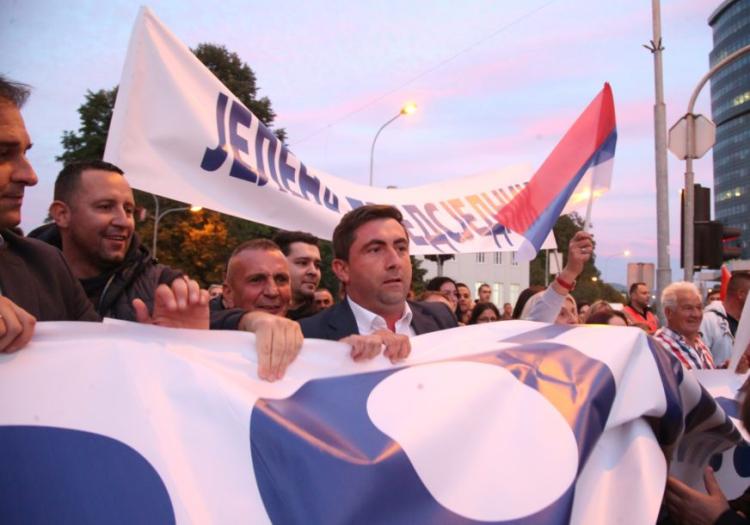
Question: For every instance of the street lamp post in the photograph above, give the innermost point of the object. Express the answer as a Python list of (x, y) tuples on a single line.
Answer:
[(690, 154), (408, 109), (159, 216), (605, 262)]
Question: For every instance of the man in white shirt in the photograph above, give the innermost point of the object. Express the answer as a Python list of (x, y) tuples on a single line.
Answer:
[(371, 258), (721, 318)]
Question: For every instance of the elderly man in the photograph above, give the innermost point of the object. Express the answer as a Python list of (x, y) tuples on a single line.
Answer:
[(721, 318), (303, 255), (638, 310), (683, 309), (371, 258)]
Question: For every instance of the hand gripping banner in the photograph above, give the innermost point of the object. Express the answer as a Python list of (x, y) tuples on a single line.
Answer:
[(513, 423)]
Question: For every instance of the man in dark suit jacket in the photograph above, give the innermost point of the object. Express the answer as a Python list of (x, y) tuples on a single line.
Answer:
[(371, 258)]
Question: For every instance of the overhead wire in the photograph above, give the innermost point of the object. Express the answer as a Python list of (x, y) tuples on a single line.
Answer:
[(427, 71)]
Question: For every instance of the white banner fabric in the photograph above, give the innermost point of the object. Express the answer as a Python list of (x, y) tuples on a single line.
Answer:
[(177, 131), (508, 421)]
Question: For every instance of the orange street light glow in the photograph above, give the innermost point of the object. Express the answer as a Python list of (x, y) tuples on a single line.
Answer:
[(409, 108)]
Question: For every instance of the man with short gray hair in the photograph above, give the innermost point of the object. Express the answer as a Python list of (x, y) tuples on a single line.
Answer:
[(683, 309)]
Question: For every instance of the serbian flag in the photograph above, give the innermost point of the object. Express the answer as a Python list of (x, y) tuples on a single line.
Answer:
[(580, 164)]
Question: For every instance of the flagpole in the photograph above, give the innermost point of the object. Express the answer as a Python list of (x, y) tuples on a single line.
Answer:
[(587, 221)]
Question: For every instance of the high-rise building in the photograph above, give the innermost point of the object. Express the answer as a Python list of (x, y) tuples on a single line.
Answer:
[(730, 108)]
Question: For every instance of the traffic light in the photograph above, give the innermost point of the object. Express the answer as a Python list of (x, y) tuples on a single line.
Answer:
[(703, 233), (713, 242), (730, 243)]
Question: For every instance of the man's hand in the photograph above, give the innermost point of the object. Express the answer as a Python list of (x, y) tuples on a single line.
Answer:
[(580, 250), (365, 347), (16, 326), (689, 506), (743, 365), (181, 305), (278, 341)]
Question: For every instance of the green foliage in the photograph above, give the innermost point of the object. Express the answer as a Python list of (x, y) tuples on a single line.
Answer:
[(417, 276), (96, 114), (328, 279), (239, 79), (589, 286)]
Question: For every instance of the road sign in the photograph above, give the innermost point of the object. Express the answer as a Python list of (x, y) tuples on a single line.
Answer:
[(705, 137)]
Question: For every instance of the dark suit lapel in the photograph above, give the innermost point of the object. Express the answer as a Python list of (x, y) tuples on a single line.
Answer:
[(420, 321), (341, 321)]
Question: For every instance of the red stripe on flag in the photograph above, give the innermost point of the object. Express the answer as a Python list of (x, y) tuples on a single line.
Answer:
[(586, 135)]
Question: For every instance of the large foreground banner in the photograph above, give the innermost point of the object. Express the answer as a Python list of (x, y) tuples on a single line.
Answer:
[(177, 131), (512, 422)]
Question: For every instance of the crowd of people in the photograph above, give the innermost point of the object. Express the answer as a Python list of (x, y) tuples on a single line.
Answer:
[(88, 263)]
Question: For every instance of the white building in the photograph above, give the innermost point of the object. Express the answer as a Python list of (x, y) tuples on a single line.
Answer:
[(500, 270)]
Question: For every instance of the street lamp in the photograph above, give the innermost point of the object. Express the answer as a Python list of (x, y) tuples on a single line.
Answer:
[(625, 253), (692, 151), (159, 216), (407, 109)]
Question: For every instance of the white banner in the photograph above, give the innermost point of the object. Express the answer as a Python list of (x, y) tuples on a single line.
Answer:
[(513, 420), (732, 467), (178, 132)]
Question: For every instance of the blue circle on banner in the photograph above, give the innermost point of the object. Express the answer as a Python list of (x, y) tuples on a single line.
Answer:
[(58, 475), (318, 458)]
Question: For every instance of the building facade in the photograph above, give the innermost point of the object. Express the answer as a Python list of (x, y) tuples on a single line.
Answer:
[(501, 270), (730, 108)]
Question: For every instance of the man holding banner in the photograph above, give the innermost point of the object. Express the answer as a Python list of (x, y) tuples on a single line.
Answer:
[(371, 258), (36, 282)]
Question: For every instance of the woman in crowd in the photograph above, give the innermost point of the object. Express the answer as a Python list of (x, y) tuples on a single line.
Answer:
[(484, 313), (465, 303), (568, 312), (447, 287), (610, 317), (583, 311), (523, 298), (599, 306)]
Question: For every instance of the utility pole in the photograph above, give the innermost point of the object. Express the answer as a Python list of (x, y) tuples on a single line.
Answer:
[(699, 137), (663, 268)]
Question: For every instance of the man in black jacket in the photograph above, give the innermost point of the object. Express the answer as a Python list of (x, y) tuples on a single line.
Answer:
[(371, 258), (94, 227), (35, 281), (303, 255)]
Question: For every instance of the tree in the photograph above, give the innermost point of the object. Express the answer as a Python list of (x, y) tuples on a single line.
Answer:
[(239, 79), (186, 242), (589, 286), (96, 114)]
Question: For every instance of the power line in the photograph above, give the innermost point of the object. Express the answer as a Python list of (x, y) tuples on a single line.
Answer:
[(427, 71)]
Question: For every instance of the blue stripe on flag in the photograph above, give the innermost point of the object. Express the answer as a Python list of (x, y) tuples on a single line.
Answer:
[(538, 231)]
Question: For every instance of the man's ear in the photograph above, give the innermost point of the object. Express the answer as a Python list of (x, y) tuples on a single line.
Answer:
[(60, 213), (341, 268), (226, 295)]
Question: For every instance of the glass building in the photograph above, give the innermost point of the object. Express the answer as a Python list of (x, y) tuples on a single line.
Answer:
[(730, 108)]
